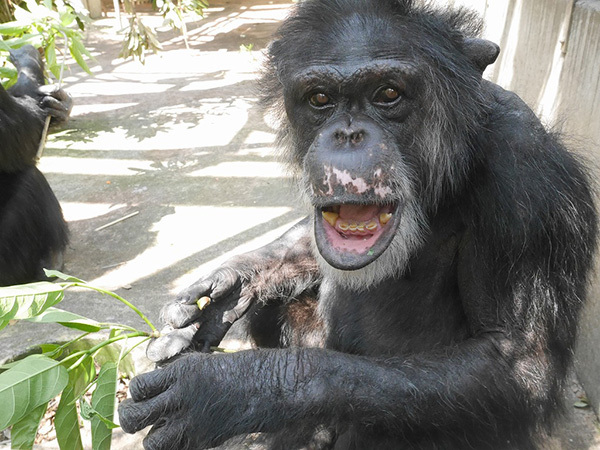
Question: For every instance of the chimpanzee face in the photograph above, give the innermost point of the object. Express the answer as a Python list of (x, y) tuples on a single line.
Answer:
[(354, 170), (372, 130)]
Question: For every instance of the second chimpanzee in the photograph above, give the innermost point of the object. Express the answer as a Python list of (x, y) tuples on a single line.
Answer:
[(33, 232), (431, 299)]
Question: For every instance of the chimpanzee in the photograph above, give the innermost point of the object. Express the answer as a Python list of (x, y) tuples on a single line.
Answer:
[(33, 232), (431, 299)]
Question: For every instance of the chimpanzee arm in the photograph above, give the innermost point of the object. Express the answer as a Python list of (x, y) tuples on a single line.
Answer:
[(51, 99), (496, 383), (21, 125), (283, 269), (24, 108)]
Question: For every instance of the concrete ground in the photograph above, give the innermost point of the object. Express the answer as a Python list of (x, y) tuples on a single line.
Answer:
[(179, 150)]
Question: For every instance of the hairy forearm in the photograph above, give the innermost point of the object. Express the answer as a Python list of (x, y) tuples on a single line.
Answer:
[(21, 124), (285, 267), (414, 394)]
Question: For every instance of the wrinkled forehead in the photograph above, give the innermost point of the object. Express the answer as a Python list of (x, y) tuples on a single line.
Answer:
[(359, 70), (354, 41)]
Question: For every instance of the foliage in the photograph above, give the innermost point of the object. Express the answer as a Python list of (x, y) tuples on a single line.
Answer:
[(140, 38), (70, 369), (56, 26), (51, 25)]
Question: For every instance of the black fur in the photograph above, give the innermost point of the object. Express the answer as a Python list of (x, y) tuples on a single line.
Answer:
[(456, 332), (33, 233)]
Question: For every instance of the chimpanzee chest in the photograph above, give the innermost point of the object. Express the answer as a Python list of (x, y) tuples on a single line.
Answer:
[(419, 310)]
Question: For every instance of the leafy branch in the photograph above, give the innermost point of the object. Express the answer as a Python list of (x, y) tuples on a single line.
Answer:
[(27, 385), (45, 25)]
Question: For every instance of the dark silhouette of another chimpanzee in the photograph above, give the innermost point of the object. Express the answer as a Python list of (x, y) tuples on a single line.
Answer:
[(33, 232)]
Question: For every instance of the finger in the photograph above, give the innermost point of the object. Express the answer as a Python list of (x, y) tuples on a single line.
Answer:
[(238, 310), (192, 293), (179, 315), (54, 91), (151, 384), (135, 416), (226, 280), (165, 436), (52, 103), (171, 342)]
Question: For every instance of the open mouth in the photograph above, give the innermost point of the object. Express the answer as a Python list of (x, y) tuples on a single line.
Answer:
[(350, 236)]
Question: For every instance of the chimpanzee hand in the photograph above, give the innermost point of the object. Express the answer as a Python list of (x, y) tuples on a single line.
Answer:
[(230, 297), (284, 268), (56, 102), (200, 401)]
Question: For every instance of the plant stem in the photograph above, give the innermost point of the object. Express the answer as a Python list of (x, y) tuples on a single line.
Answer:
[(84, 353), (134, 346), (122, 300)]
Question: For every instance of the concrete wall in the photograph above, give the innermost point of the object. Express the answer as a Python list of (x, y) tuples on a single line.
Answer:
[(551, 57)]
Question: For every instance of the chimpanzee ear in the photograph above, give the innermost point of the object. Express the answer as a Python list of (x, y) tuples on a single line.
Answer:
[(481, 52)]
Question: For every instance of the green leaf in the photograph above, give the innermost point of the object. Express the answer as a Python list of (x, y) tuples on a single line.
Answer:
[(66, 422), (88, 413), (103, 402), (67, 319), (22, 434), (82, 376), (14, 28), (28, 300), (31, 383), (62, 276), (22, 15), (50, 53), (33, 39), (76, 53), (8, 72), (51, 350), (66, 18)]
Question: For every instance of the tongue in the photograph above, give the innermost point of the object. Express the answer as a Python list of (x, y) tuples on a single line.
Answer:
[(359, 213)]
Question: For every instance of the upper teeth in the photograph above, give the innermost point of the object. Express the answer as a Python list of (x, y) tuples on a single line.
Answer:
[(385, 218), (330, 217), (358, 227)]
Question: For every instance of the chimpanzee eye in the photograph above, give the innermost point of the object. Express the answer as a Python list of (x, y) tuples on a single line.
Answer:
[(386, 95), (319, 100)]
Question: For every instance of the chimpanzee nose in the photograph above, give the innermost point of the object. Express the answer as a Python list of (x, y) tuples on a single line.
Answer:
[(349, 136)]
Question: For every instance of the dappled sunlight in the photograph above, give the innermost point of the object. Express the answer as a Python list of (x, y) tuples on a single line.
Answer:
[(213, 123), (97, 108), (74, 211), (262, 152), (206, 268), (239, 169), (166, 166), (187, 231), (97, 87), (93, 166), (260, 137), (214, 84)]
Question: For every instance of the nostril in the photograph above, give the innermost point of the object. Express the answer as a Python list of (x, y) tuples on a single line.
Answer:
[(341, 137), (344, 136), (357, 137)]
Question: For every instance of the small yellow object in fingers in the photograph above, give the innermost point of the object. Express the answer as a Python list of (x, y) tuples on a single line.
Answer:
[(203, 302)]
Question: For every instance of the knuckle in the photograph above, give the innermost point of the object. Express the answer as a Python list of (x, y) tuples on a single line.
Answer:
[(137, 388)]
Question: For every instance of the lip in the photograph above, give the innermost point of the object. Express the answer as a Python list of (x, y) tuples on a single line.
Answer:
[(346, 245)]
